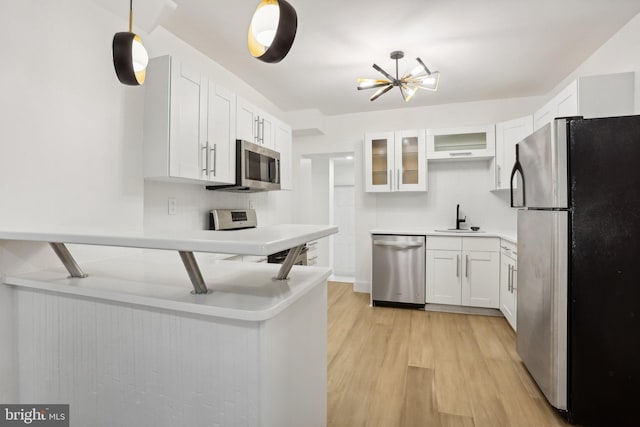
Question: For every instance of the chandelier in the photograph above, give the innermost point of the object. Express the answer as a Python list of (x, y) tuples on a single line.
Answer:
[(418, 78)]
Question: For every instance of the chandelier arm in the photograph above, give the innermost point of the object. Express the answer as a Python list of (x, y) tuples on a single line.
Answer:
[(375, 86), (380, 93), (384, 73)]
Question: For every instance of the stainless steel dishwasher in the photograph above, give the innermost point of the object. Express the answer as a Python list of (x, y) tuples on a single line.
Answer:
[(399, 273)]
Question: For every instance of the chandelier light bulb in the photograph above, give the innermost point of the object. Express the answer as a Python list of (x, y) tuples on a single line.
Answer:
[(264, 23), (139, 55)]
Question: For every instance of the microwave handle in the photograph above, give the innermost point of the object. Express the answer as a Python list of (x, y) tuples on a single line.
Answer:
[(277, 171)]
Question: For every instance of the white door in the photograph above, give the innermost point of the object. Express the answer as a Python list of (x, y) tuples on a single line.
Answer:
[(189, 122), (379, 162), (443, 277), (410, 160), (246, 121), (221, 147), (481, 280)]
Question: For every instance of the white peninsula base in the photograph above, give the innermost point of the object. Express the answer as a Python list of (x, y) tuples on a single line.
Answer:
[(129, 346)]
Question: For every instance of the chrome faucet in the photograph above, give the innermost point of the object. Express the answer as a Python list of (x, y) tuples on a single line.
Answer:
[(458, 220)]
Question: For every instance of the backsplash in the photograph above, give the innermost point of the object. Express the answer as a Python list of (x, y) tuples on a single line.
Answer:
[(193, 203)]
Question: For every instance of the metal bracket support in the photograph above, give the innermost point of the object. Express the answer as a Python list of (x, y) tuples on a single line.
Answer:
[(65, 256), (190, 263), (283, 273)]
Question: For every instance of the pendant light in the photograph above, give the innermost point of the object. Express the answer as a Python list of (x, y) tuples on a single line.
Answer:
[(272, 30), (420, 77), (130, 58)]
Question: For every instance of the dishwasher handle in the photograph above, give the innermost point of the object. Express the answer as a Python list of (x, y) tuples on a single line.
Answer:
[(398, 245)]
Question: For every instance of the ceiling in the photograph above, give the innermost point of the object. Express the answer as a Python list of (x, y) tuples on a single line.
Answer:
[(486, 49)]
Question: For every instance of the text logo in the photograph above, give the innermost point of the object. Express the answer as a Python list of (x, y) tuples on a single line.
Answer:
[(34, 415)]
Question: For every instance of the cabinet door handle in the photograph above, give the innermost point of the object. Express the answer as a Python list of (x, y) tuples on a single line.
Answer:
[(398, 181), (215, 159), (457, 265), (513, 277), (466, 153), (466, 266), (499, 175), (390, 180), (256, 134), (509, 279), (205, 158)]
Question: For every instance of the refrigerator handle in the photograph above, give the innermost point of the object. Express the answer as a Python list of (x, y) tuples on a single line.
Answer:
[(517, 168)]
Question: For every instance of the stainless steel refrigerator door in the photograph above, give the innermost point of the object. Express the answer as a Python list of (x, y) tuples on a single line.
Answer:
[(541, 341), (543, 165), (399, 273)]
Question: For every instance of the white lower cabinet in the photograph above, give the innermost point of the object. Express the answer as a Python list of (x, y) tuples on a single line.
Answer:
[(463, 271), (509, 281)]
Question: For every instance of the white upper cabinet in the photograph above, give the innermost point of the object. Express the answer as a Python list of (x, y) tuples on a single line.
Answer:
[(395, 161), (463, 143), (221, 141), (508, 134), (591, 96), (254, 125), (188, 125), (283, 142), (246, 121)]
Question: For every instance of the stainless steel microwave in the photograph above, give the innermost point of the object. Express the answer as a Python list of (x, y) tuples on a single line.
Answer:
[(257, 169)]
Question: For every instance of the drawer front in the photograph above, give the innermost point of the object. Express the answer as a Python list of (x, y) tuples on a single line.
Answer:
[(442, 243), (483, 244), (508, 249)]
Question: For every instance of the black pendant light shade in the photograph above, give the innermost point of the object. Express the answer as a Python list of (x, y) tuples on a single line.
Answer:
[(130, 58), (272, 30)]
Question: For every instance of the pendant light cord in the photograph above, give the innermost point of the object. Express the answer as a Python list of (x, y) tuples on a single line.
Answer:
[(131, 16)]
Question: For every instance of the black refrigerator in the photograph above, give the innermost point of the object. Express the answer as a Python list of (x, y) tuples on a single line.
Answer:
[(576, 183)]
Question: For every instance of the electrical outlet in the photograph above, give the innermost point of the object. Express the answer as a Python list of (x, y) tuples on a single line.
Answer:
[(251, 205), (173, 206)]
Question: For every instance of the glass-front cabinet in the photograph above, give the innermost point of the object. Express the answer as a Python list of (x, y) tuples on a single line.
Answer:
[(395, 161), (470, 142)]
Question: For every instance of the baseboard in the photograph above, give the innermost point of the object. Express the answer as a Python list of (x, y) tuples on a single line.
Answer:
[(362, 287), (463, 310)]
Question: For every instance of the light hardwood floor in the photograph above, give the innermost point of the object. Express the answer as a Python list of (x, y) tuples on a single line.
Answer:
[(397, 367)]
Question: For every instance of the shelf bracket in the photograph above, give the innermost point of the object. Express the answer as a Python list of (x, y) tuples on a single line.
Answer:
[(191, 265), (283, 273), (67, 260)]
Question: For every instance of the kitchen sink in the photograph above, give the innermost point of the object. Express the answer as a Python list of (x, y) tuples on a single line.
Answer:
[(454, 230)]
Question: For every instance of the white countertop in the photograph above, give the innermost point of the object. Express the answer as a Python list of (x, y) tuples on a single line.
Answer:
[(240, 291), (263, 240), (420, 231)]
